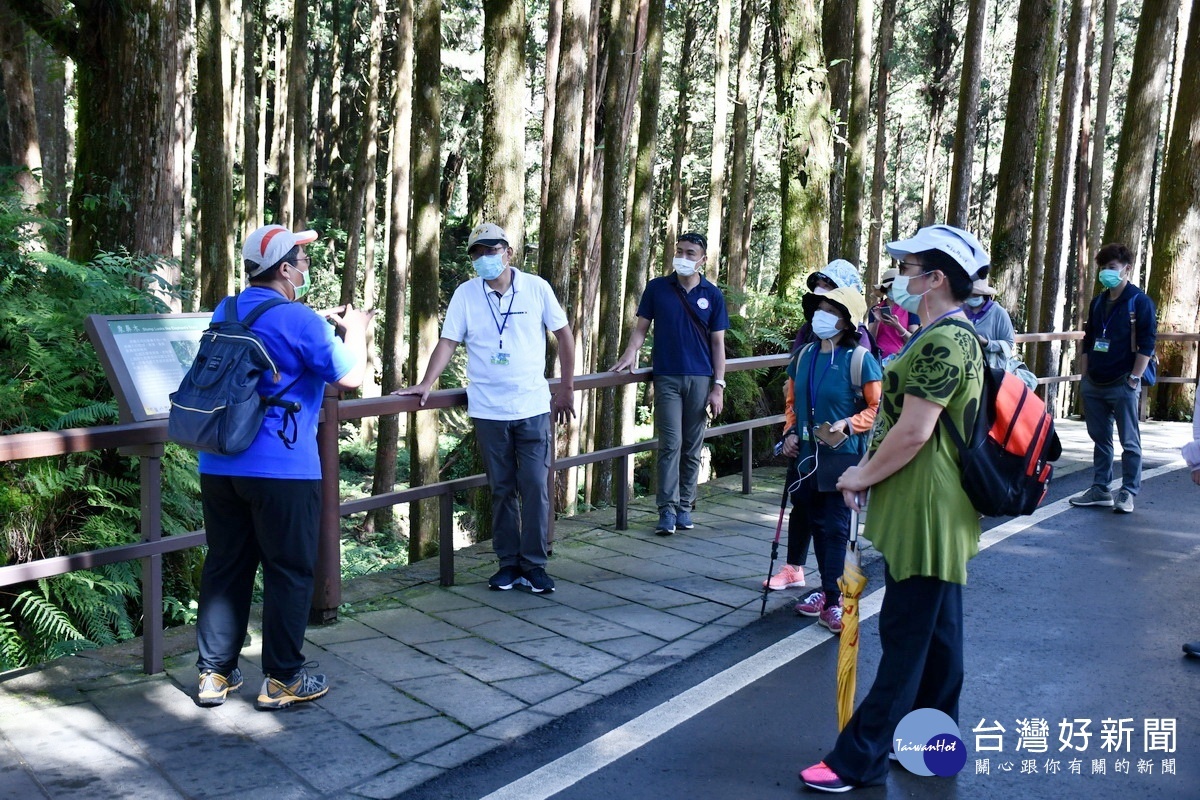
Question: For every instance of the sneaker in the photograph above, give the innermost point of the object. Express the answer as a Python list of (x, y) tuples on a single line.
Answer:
[(214, 686), (1124, 503), (537, 580), (505, 579), (812, 604), (820, 777), (787, 578), (1192, 649), (276, 694), (1095, 496), (831, 618), (666, 522), (683, 520)]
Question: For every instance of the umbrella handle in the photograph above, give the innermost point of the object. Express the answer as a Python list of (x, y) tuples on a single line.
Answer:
[(853, 529)]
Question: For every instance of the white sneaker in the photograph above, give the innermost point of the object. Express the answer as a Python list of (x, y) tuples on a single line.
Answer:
[(787, 578)]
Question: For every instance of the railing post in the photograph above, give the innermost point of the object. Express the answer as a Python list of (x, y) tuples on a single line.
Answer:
[(622, 475), (150, 474), (327, 574), (747, 459), (446, 538)]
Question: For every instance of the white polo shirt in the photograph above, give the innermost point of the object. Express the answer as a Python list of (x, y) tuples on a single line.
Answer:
[(505, 337)]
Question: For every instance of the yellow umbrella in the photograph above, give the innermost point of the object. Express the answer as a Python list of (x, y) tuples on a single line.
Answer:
[(852, 583)]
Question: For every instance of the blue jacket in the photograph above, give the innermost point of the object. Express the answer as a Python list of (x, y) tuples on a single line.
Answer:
[(1110, 321)]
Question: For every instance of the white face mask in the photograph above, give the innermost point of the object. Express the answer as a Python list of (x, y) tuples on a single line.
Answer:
[(909, 302), (825, 324), (684, 267)]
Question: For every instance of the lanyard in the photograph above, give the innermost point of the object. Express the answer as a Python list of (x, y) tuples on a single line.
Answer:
[(813, 383), (500, 324), (1109, 319), (924, 328)]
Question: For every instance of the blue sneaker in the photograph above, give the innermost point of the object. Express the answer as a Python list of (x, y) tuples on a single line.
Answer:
[(683, 520), (666, 523)]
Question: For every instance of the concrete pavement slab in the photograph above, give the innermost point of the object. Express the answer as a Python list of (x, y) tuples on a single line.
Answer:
[(536, 688), (410, 625), (630, 647), (583, 598), (407, 740), (640, 568), (396, 781), (707, 587), (568, 656), (459, 751), (515, 725), (463, 698), (581, 626), (648, 594), (659, 624), (388, 659), (483, 660), (330, 756)]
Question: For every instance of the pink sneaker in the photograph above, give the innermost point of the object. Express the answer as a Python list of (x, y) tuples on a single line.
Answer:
[(812, 604), (832, 618), (787, 578), (820, 777)]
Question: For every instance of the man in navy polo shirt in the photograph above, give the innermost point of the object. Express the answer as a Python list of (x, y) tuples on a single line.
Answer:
[(688, 359)]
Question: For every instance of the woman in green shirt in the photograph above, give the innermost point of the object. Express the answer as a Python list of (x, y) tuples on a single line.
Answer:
[(920, 518)]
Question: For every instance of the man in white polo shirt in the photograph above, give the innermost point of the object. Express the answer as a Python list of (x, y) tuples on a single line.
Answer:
[(502, 316)]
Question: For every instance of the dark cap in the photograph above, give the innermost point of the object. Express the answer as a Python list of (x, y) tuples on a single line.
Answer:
[(695, 238)]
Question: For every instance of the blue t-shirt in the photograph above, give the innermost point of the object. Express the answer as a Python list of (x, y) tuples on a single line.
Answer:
[(1109, 321), (679, 346), (305, 349), (825, 381)]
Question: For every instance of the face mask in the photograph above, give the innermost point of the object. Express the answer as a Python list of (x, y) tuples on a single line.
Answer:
[(304, 286), (684, 267), (1110, 278), (975, 302), (909, 302), (825, 325), (489, 267)]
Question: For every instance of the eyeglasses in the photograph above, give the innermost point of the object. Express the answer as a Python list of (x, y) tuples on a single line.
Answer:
[(483, 250), (306, 261), (914, 265)]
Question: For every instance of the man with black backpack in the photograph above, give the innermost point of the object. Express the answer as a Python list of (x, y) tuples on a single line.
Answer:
[(261, 504), (1118, 345), (690, 320)]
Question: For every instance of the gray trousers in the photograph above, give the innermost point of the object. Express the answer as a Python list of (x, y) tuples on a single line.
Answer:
[(680, 417), (516, 456), (1102, 405)]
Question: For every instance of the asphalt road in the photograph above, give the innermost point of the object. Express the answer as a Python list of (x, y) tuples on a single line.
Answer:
[(1080, 616)]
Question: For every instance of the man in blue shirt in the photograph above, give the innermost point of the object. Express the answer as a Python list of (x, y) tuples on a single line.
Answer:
[(262, 505), (1118, 341), (688, 359)]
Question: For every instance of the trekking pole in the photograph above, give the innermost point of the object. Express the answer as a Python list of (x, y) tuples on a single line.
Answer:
[(783, 501)]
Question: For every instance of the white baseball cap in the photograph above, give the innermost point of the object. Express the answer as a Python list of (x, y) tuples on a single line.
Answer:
[(267, 246), (960, 245)]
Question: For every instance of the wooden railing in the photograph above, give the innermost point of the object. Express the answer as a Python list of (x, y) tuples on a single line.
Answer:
[(146, 440)]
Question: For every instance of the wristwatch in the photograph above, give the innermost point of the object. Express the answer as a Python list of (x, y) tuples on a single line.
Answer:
[(719, 382)]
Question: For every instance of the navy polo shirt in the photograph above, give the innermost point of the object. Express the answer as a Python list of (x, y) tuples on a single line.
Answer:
[(679, 346)]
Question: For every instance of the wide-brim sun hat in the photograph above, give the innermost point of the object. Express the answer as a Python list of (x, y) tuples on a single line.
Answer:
[(850, 301), (982, 287), (887, 279), (840, 272), (960, 245)]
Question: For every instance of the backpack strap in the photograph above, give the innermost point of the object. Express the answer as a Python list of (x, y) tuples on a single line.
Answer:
[(856, 366), (260, 309)]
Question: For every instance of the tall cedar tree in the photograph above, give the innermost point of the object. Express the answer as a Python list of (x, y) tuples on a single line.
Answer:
[(214, 151), (503, 108), (959, 205)]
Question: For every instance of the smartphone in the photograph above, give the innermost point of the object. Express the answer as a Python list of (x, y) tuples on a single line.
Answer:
[(830, 437)]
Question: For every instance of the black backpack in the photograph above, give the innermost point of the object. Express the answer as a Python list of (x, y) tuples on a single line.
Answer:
[(217, 408)]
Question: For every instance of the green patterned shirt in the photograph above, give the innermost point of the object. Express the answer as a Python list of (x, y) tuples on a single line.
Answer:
[(920, 518)]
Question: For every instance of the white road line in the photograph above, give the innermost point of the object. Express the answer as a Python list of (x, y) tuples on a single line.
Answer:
[(567, 770)]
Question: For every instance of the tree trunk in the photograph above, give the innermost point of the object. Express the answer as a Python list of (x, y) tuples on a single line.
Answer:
[(968, 116), (716, 173), (837, 39), (1126, 220), (1100, 129), (214, 156), (298, 116), (1176, 271), (803, 102), (426, 245), (504, 132), (887, 27), (622, 23), (357, 222), (387, 446), (939, 59), (23, 143), (856, 133), (126, 190), (554, 34), (252, 169), (1036, 24), (737, 261), (1060, 194), (50, 78), (677, 211)]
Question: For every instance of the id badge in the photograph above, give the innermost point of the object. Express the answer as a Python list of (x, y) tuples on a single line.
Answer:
[(1100, 346), (500, 359), (804, 434)]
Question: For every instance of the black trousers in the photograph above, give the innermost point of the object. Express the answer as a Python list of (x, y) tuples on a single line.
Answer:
[(252, 521), (823, 519), (921, 635)]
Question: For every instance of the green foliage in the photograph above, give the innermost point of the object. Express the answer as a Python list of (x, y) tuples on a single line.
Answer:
[(50, 379)]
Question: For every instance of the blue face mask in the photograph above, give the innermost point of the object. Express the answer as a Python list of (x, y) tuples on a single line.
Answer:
[(1110, 278), (975, 301), (909, 302), (825, 325), (489, 266)]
